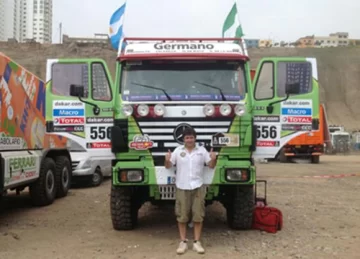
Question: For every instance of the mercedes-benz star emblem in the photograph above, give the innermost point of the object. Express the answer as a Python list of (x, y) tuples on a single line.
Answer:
[(178, 132)]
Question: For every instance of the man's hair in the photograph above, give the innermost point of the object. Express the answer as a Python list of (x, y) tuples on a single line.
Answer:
[(189, 132)]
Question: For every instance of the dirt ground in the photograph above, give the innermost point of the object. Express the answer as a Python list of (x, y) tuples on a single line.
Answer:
[(321, 220)]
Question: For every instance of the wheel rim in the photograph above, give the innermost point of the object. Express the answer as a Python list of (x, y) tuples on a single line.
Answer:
[(50, 181), (65, 176), (96, 177)]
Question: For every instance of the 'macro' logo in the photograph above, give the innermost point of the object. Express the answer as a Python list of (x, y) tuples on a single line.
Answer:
[(75, 120)]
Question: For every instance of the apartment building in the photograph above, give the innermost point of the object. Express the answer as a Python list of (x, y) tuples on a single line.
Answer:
[(265, 43), (306, 42), (252, 43), (8, 19), (26, 20), (338, 39)]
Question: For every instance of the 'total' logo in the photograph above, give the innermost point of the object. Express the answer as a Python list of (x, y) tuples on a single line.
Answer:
[(299, 119), (67, 121)]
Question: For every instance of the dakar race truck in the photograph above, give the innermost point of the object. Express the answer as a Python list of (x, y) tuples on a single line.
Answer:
[(28, 156), (163, 86)]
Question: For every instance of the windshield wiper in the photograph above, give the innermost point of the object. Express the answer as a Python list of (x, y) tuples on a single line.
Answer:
[(156, 88), (215, 87)]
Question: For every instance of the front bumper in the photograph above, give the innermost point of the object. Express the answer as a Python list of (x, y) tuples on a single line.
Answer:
[(83, 172), (160, 182)]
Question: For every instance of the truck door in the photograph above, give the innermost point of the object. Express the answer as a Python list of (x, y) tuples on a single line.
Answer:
[(86, 122), (286, 102)]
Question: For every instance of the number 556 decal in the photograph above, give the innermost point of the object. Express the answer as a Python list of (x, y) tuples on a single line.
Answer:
[(100, 132), (267, 135), (98, 136), (266, 132)]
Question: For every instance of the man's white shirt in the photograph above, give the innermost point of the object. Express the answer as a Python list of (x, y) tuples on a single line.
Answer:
[(189, 166)]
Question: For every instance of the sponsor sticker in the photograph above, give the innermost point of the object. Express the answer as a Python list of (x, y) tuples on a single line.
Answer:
[(96, 120), (271, 118), (7, 143), (298, 119), (68, 112), (225, 140), (69, 128), (69, 121), (141, 142), (296, 111), (267, 143), (100, 145)]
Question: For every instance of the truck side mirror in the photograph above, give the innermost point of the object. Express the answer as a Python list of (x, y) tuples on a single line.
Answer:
[(77, 90), (293, 88)]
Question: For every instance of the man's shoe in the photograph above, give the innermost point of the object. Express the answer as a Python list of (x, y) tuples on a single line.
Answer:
[(182, 247), (198, 247)]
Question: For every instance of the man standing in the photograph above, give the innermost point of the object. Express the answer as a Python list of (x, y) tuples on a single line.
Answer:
[(189, 160)]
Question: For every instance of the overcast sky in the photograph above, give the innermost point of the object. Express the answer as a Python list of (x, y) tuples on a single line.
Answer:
[(276, 19)]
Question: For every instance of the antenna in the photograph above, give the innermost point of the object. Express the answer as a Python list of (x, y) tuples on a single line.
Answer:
[(60, 31)]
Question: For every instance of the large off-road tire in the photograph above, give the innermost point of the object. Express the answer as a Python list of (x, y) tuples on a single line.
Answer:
[(282, 157), (315, 159), (124, 212), (240, 210), (43, 191), (62, 176), (97, 178)]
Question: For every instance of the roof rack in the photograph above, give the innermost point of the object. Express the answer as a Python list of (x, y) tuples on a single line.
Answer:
[(240, 41)]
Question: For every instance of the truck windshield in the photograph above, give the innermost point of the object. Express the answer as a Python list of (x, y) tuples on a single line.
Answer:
[(183, 80)]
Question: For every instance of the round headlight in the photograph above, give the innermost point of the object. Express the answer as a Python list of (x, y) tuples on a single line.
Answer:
[(143, 110), (127, 110), (225, 109), (209, 109), (240, 109), (159, 110)]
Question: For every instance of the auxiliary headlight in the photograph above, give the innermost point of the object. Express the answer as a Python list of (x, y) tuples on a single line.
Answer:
[(209, 109), (143, 110), (236, 175), (225, 109), (240, 109), (131, 175), (159, 110), (127, 110)]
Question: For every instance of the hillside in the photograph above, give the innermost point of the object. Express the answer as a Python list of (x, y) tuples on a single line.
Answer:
[(339, 71)]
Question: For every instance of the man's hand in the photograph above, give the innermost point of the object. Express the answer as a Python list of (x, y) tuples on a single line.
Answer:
[(167, 159), (212, 154)]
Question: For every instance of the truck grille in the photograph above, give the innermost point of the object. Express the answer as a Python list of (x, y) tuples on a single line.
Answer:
[(168, 192), (74, 164), (161, 132)]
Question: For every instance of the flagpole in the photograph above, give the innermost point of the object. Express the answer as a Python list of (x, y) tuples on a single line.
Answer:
[(242, 38), (123, 25)]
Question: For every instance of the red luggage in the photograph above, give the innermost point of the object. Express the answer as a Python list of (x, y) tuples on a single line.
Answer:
[(266, 218)]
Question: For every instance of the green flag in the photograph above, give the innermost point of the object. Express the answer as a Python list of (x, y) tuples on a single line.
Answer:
[(232, 27)]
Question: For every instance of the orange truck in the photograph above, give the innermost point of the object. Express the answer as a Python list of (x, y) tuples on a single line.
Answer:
[(307, 145), (29, 157)]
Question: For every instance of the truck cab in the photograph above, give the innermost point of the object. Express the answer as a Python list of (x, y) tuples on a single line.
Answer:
[(163, 86)]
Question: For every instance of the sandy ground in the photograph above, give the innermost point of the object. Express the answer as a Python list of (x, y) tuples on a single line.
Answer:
[(321, 220)]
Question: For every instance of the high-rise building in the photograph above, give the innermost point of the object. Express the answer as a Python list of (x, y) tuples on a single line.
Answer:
[(26, 20)]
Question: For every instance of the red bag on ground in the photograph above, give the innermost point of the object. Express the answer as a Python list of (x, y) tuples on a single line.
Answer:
[(267, 219)]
